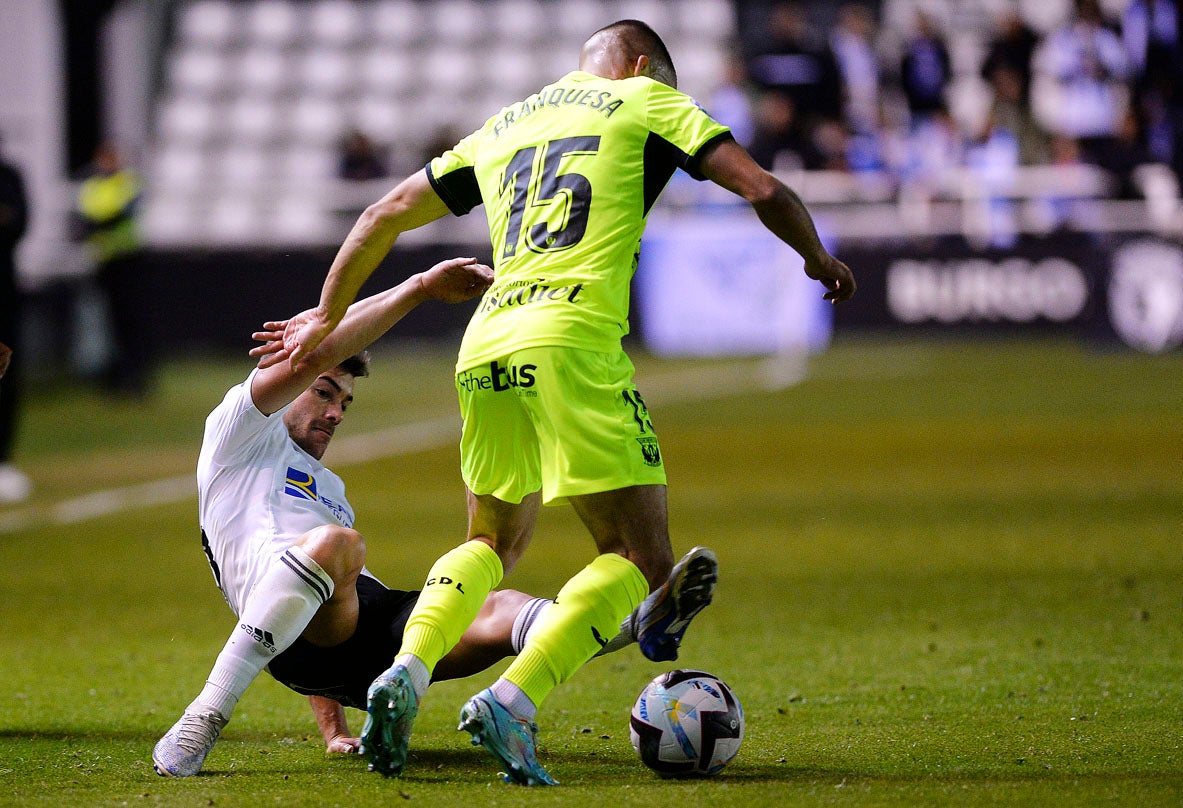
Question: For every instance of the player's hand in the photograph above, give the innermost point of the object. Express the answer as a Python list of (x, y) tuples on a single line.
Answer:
[(834, 275), (343, 745), (456, 280), (290, 340), (303, 333), (272, 338)]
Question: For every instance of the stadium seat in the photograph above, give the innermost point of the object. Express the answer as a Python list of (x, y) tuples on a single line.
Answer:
[(316, 121), (336, 22), (580, 17), (326, 71), (276, 23), (212, 23), (174, 216), (380, 116), (521, 22), (450, 70), (243, 165), (234, 218), (517, 74), (185, 119), (458, 22), (262, 69), (178, 166), (303, 165), (396, 22), (298, 220), (384, 69), (197, 70)]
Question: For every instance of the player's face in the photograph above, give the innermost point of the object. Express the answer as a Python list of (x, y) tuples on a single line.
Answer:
[(315, 414)]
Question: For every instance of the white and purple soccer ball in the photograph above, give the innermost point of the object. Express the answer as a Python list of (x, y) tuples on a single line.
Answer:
[(686, 723)]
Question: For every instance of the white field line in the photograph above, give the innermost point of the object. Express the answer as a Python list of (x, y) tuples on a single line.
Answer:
[(735, 378), (398, 440)]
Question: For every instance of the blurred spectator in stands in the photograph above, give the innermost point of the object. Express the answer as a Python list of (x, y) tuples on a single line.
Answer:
[(852, 42), (1011, 111), (992, 163), (1152, 31), (925, 70), (1058, 210), (1010, 52), (777, 141), (441, 139), (14, 213), (1079, 88), (830, 145), (732, 101), (1123, 154), (800, 65), (360, 159), (936, 152), (107, 207)]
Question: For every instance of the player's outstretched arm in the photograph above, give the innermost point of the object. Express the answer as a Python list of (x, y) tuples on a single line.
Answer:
[(780, 209), (412, 203), (278, 382)]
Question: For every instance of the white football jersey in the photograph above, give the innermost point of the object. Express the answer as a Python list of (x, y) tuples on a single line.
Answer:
[(258, 492)]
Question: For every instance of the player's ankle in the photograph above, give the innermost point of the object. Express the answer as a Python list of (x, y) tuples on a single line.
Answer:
[(514, 699)]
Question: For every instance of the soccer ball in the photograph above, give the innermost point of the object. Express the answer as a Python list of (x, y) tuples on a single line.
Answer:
[(686, 723)]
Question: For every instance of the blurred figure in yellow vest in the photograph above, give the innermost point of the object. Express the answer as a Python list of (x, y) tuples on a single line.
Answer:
[(107, 208)]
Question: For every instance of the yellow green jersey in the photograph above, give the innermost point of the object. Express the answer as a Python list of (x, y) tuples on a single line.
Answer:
[(568, 177)]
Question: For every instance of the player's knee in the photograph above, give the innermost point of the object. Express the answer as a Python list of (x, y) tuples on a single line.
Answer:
[(494, 623), (654, 563), (340, 551), (504, 604)]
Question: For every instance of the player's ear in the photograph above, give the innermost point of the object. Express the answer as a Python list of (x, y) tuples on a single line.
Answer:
[(641, 66)]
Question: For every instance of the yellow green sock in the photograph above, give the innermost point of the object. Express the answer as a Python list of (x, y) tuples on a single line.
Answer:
[(585, 615), (454, 591)]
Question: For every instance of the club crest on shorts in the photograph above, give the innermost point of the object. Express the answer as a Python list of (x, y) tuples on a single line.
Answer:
[(650, 451)]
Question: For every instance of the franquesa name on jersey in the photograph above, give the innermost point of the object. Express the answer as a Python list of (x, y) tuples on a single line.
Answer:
[(557, 97)]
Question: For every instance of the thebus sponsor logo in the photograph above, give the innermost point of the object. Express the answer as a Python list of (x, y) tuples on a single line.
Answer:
[(969, 290)]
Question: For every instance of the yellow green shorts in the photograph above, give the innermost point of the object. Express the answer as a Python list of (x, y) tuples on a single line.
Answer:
[(561, 420)]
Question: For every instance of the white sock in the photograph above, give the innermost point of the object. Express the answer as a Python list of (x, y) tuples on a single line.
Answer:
[(417, 668), (525, 621), (277, 611), (514, 699)]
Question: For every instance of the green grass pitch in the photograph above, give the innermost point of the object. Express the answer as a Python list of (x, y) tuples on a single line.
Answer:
[(951, 574)]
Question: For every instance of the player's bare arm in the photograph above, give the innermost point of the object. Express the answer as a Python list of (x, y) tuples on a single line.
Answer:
[(278, 382), (412, 203), (780, 209), (330, 718)]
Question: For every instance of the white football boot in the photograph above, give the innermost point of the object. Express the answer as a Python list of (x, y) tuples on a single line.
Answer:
[(183, 748)]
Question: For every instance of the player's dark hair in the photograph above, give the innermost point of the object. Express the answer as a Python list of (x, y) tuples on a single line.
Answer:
[(641, 40), (357, 365)]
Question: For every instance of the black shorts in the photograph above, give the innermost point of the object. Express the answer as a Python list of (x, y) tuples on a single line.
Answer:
[(344, 672)]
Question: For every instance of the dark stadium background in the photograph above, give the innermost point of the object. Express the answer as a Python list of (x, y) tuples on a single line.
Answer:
[(82, 72)]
